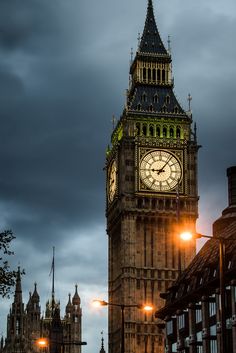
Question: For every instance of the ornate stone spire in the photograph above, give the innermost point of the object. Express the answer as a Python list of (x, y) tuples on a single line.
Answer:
[(69, 305), (76, 298), (151, 41), (102, 350), (18, 290), (35, 295)]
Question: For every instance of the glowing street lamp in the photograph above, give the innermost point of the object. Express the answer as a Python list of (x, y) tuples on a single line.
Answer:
[(146, 307), (42, 342)]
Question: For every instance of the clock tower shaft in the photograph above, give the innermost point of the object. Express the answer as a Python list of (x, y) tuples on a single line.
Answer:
[(151, 193)]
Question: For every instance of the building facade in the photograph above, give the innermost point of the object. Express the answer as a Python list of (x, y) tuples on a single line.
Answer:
[(151, 188), (192, 312), (26, 324)]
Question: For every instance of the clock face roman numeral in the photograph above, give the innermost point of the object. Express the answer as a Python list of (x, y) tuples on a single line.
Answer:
[(160, 170)]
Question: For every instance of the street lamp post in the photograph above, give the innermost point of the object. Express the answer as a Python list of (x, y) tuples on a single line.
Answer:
[(188, 236), (147, 308)]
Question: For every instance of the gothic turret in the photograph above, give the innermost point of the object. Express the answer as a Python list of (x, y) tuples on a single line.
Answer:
[(33, 315), (18, 289), (76, 298), (69, 306)]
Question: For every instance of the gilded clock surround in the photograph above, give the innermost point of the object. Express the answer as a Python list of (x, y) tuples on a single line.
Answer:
[(112, 181), (160, 171)]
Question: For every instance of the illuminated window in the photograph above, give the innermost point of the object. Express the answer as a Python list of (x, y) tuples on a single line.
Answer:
[(212, 309), (198, 315), (199, 337), (169, 327), (181, 321), (213, 346), (213, 330)]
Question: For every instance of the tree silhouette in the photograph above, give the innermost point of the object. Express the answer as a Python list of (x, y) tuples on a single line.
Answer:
[(7, 277)]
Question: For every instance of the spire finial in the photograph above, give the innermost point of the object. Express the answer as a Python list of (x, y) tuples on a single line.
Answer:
[(189, 101), (113, 121), (18, 290), (131, 56), (139, 39), (169, 44), (102, 350)]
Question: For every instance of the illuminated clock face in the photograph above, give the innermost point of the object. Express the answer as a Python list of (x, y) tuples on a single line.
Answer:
[(160, 170), (112, 181)]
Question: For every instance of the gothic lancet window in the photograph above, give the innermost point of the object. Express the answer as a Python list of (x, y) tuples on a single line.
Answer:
[(163, 75), (144, 129), (155, 98), (154, 75), (138, 129), (144, 97), (144, 74), (151, 130), (178, 132)]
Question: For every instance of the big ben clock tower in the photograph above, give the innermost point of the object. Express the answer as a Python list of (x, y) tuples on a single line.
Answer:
[(151, 190)]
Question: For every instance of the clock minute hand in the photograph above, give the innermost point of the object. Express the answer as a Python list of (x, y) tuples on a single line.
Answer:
[(162, 169)]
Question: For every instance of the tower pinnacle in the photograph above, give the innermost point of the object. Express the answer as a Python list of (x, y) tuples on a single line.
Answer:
[(18, 290), (151, 41)]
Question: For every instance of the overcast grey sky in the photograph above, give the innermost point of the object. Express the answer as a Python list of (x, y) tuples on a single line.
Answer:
[(63, 72)]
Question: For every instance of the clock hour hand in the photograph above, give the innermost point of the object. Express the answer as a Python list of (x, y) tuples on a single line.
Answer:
[(155, 170)]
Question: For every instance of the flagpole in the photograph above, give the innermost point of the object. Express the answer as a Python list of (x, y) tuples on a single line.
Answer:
[(53, 280)]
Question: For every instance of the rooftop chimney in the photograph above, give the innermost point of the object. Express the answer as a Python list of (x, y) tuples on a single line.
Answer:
[(231, 174), (229, 214)]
